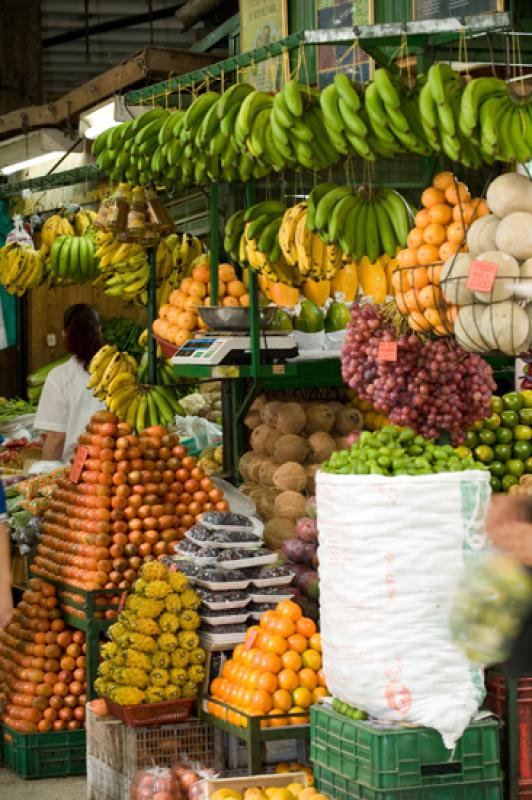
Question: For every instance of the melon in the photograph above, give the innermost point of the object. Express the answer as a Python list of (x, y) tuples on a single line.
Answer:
[(467, 329), (453, 280), (505, 326), (481, 234), (290, 475), (509, 193), (290, 447), (507, 272), (514, 235)]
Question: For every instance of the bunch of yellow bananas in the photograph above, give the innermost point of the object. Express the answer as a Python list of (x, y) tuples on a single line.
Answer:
[(21, 268), (56, 225), (83, 221)]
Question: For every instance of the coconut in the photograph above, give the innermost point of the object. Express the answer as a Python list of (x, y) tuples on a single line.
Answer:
[(268, 412), (319, 418), (267, 471), (258, 403), (290, 476), (252, 421), (246, 462), (290, 418), (277, 531), (290, 447), (312, 471), (266, 503), (289, 505), (255, 467), (348, 420), (263, 439), (255, 493), (322, 446)]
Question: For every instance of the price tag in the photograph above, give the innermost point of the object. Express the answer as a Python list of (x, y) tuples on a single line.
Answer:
[(481, 276), (250, 641), (387, 351), (77, 465)]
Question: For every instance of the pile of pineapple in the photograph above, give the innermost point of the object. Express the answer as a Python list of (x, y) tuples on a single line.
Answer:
[(154, 652)]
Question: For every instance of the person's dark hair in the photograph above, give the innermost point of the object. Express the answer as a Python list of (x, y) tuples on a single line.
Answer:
[(83, 333)]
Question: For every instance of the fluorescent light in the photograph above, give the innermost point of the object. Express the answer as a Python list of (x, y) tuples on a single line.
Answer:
[(32, 162), (107, 115)]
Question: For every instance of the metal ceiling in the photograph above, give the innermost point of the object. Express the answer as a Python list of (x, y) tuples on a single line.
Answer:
[(68, 64)]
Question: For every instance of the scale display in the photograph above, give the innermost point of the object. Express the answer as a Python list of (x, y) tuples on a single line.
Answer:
[(235, 349)]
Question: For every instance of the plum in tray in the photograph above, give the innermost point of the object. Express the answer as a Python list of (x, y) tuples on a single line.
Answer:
[(221, 575)]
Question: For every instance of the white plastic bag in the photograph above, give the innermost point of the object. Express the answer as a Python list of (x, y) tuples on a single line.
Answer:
[(392, 552), (310, 342), (205, 433)]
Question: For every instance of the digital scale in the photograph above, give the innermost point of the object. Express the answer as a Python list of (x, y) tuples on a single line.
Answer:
[(234, 348)]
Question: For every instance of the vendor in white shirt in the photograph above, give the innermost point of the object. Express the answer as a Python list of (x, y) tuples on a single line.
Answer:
[(66, 403)]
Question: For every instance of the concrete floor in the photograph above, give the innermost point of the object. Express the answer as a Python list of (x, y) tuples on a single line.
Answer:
[(14, 788)]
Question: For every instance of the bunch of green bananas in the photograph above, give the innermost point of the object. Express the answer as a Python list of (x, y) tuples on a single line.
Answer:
[(346, 122), (498, 121), (55, 225), (125, 151), (72, 259), (123, 267), (114, 378), (21, 268), (363, 223)]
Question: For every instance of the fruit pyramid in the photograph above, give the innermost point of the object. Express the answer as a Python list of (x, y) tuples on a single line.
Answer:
[(42, 666), (153, 653), (276, 671)]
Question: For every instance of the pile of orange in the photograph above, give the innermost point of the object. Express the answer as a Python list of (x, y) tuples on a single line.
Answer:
[(275, 672), (179, 317), (439, 233)]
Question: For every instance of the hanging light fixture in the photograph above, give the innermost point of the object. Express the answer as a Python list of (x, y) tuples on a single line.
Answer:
[(34, 148), (107, 115)]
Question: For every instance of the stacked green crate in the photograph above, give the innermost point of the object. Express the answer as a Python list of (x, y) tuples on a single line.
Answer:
[(357, 760)]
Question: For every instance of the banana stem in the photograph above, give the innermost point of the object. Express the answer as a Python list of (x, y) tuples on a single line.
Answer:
[(152, 314)]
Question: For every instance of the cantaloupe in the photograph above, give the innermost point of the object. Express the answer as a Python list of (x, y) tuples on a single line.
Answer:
[(263, 439), (505, 326), (507, 272), (320, 417), (290, 447), (290, 505), (481, 234), (467, 329), (289, 418), (322, 446), (290, 475), (514, 235), (509, 193), (454, 278)]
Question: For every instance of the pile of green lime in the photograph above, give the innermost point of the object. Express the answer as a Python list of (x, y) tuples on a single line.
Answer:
[(503, 441), (347, 710), (398, 451)]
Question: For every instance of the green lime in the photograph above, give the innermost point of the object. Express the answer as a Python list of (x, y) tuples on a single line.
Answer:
[(526, 394), (497, 469), (512, 401), (507, 481), (478, 425), (523, 433), (496, 404), (492, 422), (504, 435), (463, 451), (509, 419), (525, 416), (471, 440), (495, 484), (515, 467), (522, 450), (503, 452), (486, 436), (484, 453)]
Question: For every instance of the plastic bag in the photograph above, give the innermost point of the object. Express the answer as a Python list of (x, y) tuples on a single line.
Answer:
[(204, 433), (18, 234), (44, 467), (392, 552), (154, 783), (310, 342)]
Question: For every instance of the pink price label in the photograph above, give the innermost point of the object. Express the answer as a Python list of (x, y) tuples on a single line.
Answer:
[(481, 276), (77, 465), (387, 351), (250, 641)]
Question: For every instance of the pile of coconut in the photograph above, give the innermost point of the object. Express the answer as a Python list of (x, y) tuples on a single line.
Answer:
[(290, 439)]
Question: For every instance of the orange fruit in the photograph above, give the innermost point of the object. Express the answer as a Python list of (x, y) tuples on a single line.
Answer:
[(400, 280), (277, 721), (238, 652), (428, 254), (268, 621), (409, 300), (456, 232), (422, 218), (244, 302), (440, 213), (268, 682), (291, 660), (434, 273), (236, 288), (230, 301), (298, 643), (448, 249), (285, 627), (249, 656), (288, 679), (282, 700), (287, 608), (464, 212), (407, 257), (455, 191), (228, 669), (434, 234), (415, 238), (197, 289), (226, 272), (217, 686), (429, 297), (318, 693), (306, 626), (302, 697), (308, 678), (480, 206), (442, 180), (312, 659), (262, 701), (418, 277), (186, 284), (322, 681), (201, 273), (253, 679), (300, 721), (270, 662), (275, 644), (433, 316), (432, 197), (315, 642), (417, 322)]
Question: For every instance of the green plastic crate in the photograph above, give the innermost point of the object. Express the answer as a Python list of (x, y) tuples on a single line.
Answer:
[(44, 755), (341, 788), (399, 758)]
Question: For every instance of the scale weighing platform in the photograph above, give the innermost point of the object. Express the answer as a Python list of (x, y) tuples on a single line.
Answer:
[(233, 348)]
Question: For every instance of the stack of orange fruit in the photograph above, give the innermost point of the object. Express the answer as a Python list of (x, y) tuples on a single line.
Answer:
[(275, 672), (179, 317), (439, 233)]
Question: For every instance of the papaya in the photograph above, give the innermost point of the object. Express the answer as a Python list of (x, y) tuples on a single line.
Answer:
[(310, 318), (372, 279), (317, 291), (346, 282), (283, 295), (338, 315)]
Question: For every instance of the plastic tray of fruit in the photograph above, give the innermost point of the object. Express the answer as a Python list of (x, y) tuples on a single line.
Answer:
[(274, 597), (227, 521), (223, 601), (137, 716), (272, 576), (242, 559), (223, 580), (223, 617), (201, 557), (201, 536)]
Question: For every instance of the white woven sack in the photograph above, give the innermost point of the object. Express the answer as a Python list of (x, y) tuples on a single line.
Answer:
[(391, 553)]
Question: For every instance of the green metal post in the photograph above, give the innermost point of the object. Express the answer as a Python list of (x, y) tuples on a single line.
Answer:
[(512, 732), (214, 238), (152, 314), (254, 331)]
